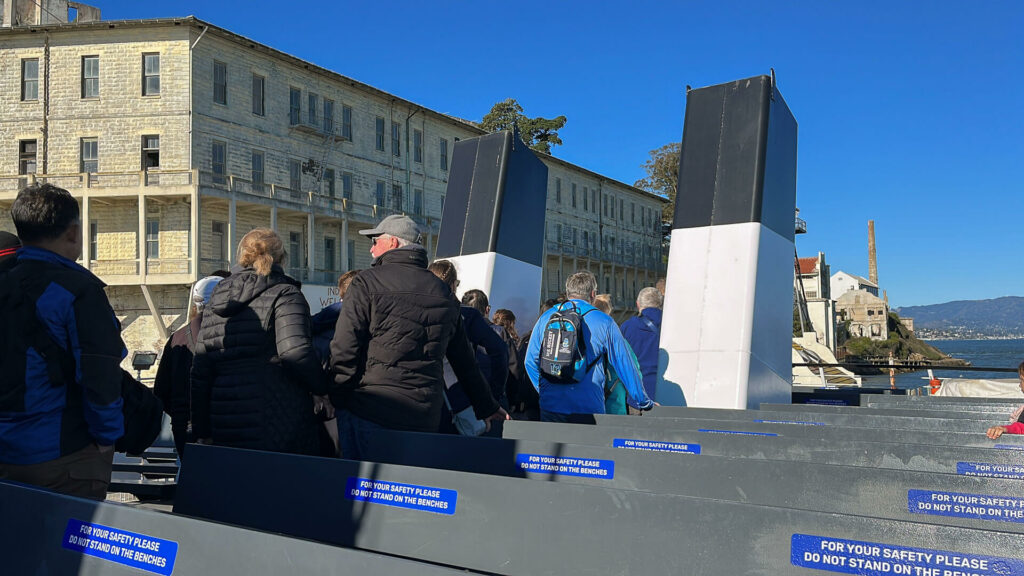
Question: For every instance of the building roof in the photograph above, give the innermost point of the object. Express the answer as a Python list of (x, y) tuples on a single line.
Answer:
[(808, 265), (860, 279), (192, 21)]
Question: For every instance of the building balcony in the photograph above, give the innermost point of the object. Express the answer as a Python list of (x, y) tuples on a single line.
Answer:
[(110, 184)]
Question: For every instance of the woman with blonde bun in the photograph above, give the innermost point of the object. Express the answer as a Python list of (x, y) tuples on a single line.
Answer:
[(255, 370)]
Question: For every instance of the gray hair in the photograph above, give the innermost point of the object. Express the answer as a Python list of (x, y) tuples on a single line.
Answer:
[(401, 241), (649, 297), (581, 285)]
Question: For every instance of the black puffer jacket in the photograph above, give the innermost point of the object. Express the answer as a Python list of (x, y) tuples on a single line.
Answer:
[(398, 322), (255, 367)]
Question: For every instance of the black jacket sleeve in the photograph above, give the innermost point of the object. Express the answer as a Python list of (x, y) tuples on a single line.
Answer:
[(294, 335), (463, 361), (96, 339), (350, 342), (202, 374), (482, 334), (163, 383)]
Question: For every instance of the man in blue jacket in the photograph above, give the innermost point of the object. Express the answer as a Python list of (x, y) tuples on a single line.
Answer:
[(604, 343), (58, 429), (643, 332)]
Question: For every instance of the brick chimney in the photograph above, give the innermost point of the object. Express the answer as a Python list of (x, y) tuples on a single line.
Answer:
[(872, 257)]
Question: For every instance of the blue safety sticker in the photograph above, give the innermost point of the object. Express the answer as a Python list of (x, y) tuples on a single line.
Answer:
[(801, 422), (1009, 446), (827, 402), (979, 506), (656, 446), (425, 498), (566, 466), (990, 470), (115, 545), (874, 559), (712, 431)]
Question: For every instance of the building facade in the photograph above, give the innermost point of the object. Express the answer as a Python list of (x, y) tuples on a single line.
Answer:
[(178, 137), (843, 282), (814, 280)]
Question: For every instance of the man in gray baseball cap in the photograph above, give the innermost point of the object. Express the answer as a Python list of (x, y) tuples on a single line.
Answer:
[(398, 322)]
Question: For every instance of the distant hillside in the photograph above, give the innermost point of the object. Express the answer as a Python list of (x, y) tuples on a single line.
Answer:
[(1001, 317)]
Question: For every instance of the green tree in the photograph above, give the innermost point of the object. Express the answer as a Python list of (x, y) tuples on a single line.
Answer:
[(538, 133), (663, 176)]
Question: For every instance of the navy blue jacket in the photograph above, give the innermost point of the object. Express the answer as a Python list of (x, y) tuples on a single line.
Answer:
[(61, 420), (491, 357), (645, 343), (324, 322)]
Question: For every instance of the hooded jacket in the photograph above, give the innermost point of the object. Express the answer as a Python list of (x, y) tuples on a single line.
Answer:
[(254, 368), (643, 332), (398, 322)]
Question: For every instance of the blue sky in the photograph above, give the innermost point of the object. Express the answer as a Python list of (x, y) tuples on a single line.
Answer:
[(910, 113)]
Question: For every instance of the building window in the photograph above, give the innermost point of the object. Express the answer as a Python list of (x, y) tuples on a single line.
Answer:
[(294, 249), (294, 174), (150, 74), (417, 146), (294, 106), (94, 237), (328, 116), (329, 182), (396, 139), (30, 79), (593, 200), (152, 238), (346, 185), (558, 190), (586, 204), (90, 76), (417, 201), (257, 170), (89, 155), (329, 257), (346, 122), (586, 237), (220, 82), (396, 197), (150, 152), (379, 143), (575, 236), (444, 154), (219, 239), (259, 102), (379, 196), (314, 103), (604, 205), (573, 194), (218, 155), (622, 209), (632, 212), (27, 157)]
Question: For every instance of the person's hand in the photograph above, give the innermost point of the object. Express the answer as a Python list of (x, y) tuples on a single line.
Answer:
[(995, 432), (322, 404), (498, 416)]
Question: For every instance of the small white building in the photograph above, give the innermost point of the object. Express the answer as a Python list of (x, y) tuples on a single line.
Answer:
[(842, 282)]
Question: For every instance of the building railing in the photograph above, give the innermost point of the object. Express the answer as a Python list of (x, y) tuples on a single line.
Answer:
[(100, 180), (320, 202)]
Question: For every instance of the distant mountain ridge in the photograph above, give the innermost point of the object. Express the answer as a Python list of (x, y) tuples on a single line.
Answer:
[(999, 317)]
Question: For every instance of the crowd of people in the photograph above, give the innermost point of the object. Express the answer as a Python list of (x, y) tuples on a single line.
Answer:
[(252, 368)]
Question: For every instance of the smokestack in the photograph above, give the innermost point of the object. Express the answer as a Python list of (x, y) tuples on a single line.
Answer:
[(872, 257)]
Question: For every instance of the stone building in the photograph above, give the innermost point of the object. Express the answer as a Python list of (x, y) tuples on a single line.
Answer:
[(179, 136), (867, 314)]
